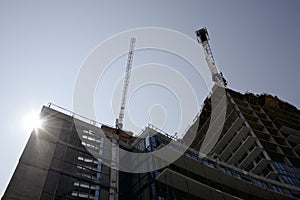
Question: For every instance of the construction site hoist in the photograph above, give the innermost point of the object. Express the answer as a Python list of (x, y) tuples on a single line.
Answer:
[(202, 37), (119, 121)]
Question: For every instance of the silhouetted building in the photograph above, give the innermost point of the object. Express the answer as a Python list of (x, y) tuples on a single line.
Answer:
[(256, 157)]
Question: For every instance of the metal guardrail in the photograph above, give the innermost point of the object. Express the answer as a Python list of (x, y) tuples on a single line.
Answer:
[(96, 123), (76, 116)]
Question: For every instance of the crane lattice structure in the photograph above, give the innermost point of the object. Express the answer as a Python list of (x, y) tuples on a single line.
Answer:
[(119, 121), (202, 37)]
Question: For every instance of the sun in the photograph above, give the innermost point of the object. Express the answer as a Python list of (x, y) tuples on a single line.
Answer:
[(32, 121)]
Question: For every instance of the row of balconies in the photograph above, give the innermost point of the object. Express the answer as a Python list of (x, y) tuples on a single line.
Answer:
[(229, 134), (239, 154), (274, 114), (251, 156), (250, 108), (261, 126), (267, 123), (261, 115), (262, 135), (252, 117), (237, 145), (256, 126), (273, 131), (241, 102), (285, 113), (246, 110), (279, 122), (260, 166), (280, 140)]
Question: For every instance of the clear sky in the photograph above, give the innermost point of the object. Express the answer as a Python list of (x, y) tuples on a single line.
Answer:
[(43, 44)]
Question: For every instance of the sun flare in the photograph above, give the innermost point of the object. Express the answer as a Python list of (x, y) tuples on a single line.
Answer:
[(32, 121)]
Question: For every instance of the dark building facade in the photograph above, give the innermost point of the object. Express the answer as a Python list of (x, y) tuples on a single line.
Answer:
[(255, 157)]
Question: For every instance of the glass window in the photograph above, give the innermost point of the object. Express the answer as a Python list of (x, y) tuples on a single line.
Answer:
[(208, 163), (147, 142), (261, 183), (277, 188)]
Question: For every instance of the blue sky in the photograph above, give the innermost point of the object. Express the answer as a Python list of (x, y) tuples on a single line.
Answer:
[(43, 44)]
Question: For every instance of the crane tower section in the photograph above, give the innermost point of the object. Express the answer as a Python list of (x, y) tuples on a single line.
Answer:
[(202, 37), (119, 121)]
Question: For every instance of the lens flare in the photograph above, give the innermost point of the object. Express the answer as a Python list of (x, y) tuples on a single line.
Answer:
[(32, 121)]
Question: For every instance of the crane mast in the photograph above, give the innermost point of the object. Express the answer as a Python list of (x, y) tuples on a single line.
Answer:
[(202, 37), (119, 121)]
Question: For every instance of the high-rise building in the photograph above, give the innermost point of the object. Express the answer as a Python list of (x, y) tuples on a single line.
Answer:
[(255, 157), (57, 162)]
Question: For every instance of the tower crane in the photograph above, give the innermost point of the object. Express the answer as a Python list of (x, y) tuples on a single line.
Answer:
[(202, 37), (114, 174), (119, 121)]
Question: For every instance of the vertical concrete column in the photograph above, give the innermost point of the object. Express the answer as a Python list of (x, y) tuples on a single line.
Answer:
[(114, 173)]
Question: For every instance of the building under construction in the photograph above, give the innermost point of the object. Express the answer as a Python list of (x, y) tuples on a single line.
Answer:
[(255, 156)]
